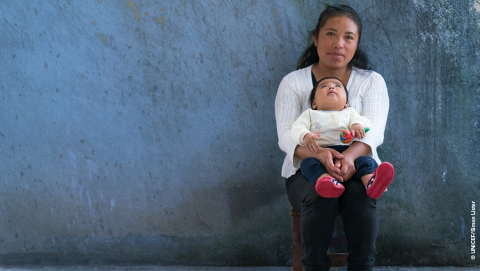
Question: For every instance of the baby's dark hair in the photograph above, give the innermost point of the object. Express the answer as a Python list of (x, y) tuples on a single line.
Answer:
[(314, 90)]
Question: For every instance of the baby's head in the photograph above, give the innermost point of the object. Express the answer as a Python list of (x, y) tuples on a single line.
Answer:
[(329, 94)]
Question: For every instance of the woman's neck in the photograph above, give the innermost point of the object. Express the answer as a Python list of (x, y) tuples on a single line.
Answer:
[(321, 71)]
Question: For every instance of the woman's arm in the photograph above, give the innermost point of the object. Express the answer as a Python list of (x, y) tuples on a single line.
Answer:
[(375, 105), (288, 107)]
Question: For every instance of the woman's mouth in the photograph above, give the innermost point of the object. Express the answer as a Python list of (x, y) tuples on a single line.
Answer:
[(336, 55)]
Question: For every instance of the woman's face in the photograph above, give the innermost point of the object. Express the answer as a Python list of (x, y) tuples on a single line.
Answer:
[(336, 42)]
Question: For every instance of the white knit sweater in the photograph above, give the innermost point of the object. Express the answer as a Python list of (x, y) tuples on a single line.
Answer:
[(367, 93)]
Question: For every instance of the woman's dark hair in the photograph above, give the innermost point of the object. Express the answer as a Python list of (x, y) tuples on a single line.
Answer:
[(314, 90), (310, 55)]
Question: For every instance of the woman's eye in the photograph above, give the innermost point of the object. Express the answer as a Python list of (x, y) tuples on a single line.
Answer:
[(349, 38), (330, 34), (337, 86)]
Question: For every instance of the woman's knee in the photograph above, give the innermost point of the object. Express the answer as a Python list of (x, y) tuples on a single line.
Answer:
[(318, 203), (355, 197)]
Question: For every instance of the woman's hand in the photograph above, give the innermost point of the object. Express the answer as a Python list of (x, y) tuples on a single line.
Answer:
[(347, 165), (310, 143), (325, 157)]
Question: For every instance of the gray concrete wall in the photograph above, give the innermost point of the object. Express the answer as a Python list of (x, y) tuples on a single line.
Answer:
[(428, 53), (143, 132)]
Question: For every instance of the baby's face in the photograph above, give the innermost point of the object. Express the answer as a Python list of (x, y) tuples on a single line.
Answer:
[(330, 96)]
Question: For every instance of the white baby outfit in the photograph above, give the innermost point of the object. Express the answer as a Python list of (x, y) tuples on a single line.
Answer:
[(328, 124)]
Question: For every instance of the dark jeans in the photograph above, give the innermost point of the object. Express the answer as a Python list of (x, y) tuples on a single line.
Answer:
[(318, 214), (312, 169)]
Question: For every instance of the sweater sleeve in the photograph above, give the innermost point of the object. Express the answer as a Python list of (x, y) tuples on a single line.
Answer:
[(301, 127), (357, 118), (375, 108), (288, 107)]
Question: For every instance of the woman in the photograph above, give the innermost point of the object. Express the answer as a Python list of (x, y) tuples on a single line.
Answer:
[(334, 53)]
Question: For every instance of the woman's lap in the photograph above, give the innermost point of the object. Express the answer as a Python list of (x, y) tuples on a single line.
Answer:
[(312, 169), (318, 216)]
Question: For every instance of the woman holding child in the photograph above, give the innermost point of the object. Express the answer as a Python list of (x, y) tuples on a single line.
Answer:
[(334, 180)]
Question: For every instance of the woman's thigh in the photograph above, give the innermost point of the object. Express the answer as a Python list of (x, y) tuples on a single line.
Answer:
[(302, 194)]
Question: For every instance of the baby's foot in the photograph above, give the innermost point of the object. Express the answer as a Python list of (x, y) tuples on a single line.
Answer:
[(328, 187), (382, 177)]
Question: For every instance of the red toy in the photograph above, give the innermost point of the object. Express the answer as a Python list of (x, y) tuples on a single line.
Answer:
[(347, 137)]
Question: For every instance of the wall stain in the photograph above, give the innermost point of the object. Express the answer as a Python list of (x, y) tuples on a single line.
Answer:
[(476, 6), (130, 4), (104, 38), (245, 198), (276, 14)]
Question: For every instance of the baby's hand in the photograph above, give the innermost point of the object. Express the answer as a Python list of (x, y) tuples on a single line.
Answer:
[(357, 130), (309, 141)]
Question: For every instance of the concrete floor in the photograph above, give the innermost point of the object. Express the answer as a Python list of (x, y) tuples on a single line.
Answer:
[(217, 268)]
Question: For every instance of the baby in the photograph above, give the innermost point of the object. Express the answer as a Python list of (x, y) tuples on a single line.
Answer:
[(322, 125)]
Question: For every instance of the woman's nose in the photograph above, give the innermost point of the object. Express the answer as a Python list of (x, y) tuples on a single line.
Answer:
[(338, 43)]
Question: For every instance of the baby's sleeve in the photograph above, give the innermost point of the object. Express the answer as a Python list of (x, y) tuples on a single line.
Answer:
[(301, 127), (357, 118)]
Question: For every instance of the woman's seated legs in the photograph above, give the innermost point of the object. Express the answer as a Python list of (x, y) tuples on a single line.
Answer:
[(317, 221), (359, 214)]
